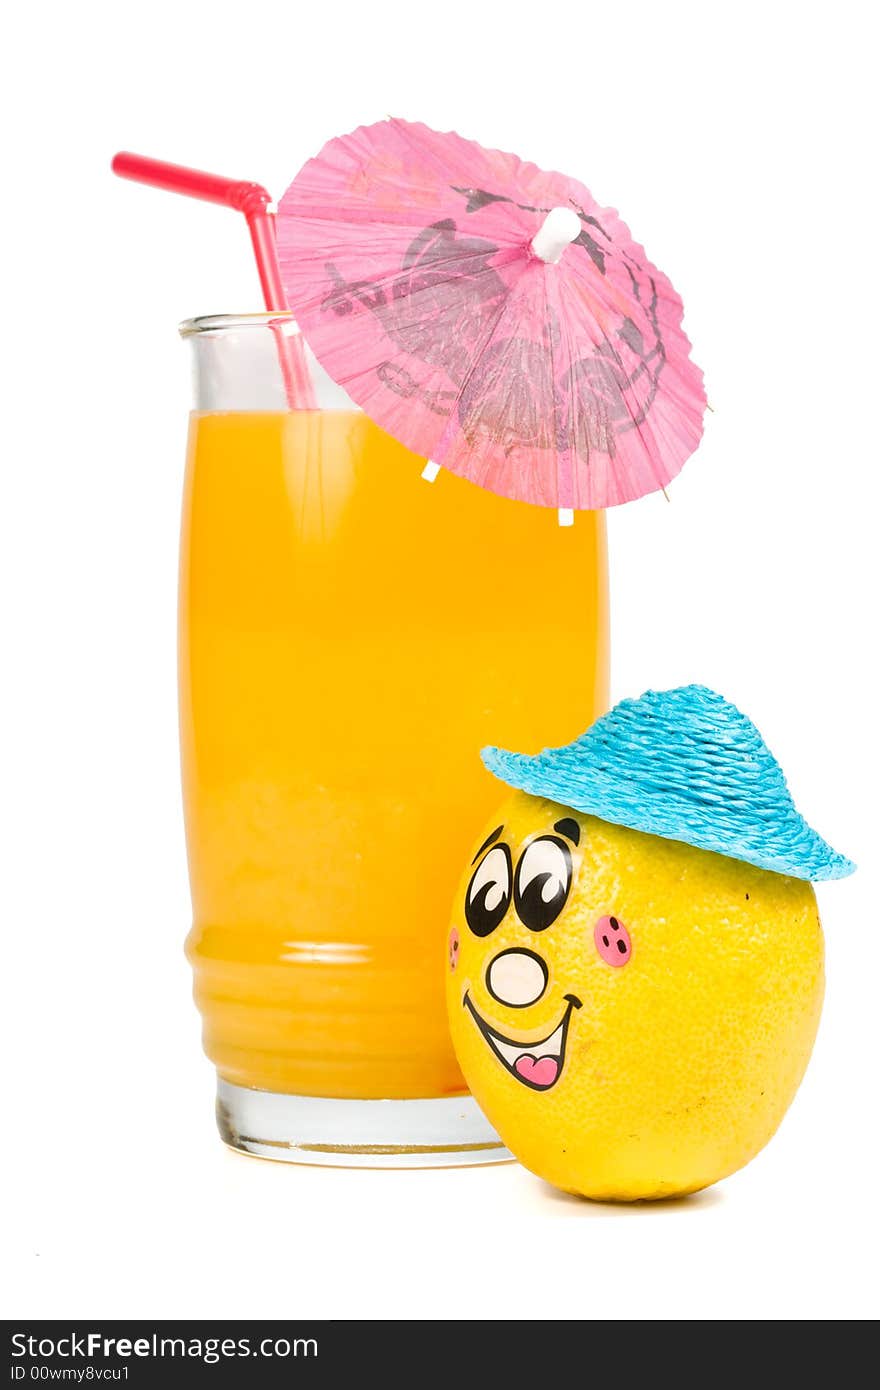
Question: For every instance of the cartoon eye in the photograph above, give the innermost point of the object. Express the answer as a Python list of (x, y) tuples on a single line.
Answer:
[(488, 894), (543, 878)]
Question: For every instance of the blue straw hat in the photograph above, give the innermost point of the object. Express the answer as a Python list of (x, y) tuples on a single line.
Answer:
[(687, 765)]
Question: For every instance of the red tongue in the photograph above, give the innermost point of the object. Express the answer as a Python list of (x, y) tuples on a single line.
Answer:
[(540, 1071)]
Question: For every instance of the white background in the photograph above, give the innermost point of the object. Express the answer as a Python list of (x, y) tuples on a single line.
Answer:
[(737, 141)]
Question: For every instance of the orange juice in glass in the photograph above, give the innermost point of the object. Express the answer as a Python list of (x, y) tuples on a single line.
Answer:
[(350, 637)]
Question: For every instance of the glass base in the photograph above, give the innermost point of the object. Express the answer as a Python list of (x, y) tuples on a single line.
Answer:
[(449, 1132)]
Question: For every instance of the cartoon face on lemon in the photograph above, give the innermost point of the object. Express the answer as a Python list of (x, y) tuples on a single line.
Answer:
[(634, 1013), (509, 904)]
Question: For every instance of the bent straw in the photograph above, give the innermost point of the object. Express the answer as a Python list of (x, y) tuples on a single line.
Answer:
[(253, 201)]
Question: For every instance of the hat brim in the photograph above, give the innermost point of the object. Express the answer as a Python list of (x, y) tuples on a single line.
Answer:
[(787, 845)]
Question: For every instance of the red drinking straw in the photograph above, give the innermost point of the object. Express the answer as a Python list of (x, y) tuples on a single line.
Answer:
[(252, 200)]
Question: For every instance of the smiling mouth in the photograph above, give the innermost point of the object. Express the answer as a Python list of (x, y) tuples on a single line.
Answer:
[(535, 1064)]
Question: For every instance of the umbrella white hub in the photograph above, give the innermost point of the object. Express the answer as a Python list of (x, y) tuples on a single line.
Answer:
[(558, 230)]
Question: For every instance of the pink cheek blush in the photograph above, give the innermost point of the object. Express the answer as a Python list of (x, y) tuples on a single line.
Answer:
[(454, 945), (613, 941)]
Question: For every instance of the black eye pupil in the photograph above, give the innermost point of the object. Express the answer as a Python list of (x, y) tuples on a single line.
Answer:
[(536, 910)]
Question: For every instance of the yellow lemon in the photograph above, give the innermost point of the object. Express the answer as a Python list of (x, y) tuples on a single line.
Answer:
[(634, 1015)]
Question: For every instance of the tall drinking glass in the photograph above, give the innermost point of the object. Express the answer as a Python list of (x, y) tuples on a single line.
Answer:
[(350, 637)]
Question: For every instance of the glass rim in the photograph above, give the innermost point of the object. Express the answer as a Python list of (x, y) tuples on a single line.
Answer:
[(217, 323)]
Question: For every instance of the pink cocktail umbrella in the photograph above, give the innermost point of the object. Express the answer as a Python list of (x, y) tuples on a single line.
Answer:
[(490, 316)]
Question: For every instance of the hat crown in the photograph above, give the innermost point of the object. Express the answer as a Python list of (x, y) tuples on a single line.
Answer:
[(691, 745)]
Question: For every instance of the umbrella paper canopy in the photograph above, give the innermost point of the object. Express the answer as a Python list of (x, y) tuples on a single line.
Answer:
[(490, 316)]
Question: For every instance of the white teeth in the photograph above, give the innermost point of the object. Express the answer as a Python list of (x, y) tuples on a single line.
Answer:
[(550, 1047), (509, 1053)]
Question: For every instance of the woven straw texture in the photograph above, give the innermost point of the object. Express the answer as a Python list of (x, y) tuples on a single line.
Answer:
[(687, 765)]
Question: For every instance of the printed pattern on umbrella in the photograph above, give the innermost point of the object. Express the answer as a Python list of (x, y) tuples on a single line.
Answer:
[(493, 383), (564, 385)]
